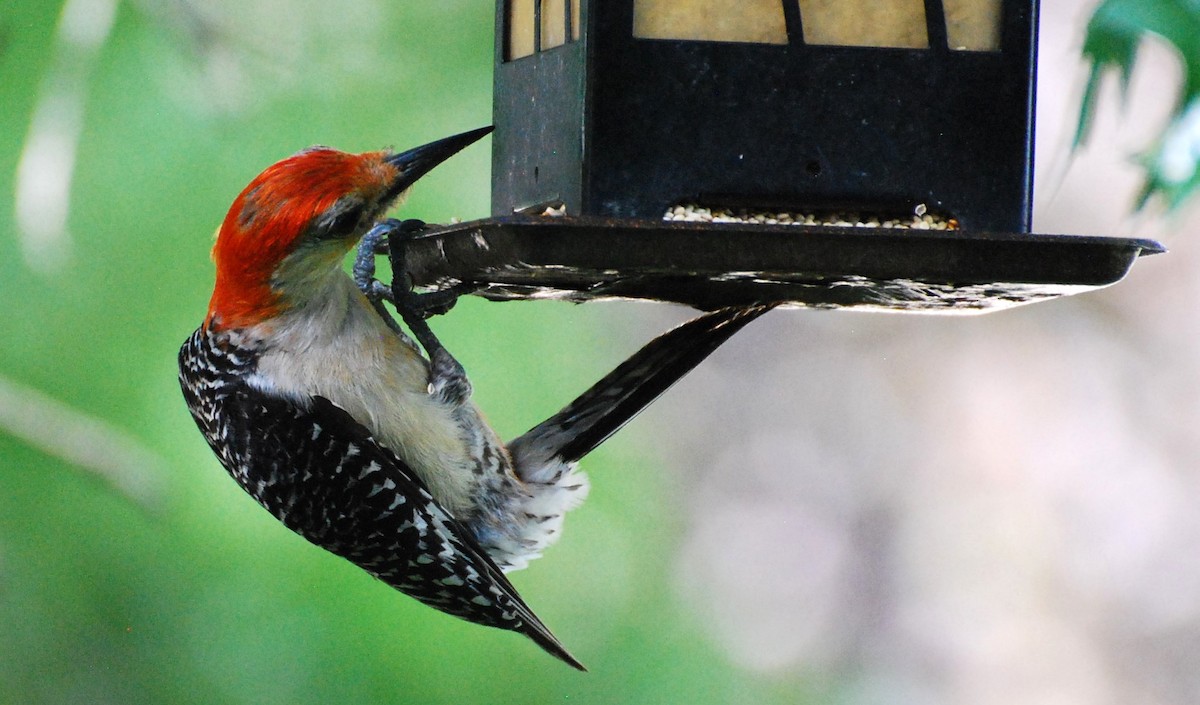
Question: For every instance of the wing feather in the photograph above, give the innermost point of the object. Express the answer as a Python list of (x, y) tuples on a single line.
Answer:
[(324, 476)]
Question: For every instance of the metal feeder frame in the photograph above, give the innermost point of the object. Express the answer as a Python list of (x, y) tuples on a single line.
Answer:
[(612, 130)]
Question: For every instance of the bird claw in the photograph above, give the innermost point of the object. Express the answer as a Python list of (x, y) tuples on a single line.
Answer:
[(389, 237), (377, 241), (374, 243), (448, 380), (364, 265), (434, 303), (423, 304)]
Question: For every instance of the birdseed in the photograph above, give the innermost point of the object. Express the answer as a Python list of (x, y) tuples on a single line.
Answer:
[(920, 219)]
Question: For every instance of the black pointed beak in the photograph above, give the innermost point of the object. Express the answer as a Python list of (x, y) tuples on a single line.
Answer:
[(418, 161)]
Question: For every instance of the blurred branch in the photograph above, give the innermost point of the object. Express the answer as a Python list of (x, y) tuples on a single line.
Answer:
[(1113, 36), (80, 439), (47, 163)]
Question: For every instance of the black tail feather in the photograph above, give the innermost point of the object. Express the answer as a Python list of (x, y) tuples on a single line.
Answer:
[(622, 394)]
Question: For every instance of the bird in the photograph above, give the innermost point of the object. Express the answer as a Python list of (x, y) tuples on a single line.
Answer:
[(366, 442)]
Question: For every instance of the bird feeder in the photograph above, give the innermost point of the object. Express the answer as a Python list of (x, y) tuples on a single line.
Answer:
[(833, 153)]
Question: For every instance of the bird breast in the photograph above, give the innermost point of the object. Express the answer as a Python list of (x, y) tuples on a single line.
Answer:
[(333, 344)]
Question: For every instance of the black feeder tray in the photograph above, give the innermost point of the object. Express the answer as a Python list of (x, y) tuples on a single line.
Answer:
[(610, 114)]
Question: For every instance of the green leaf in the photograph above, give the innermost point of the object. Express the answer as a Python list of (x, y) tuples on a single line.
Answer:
[(1114, 34)]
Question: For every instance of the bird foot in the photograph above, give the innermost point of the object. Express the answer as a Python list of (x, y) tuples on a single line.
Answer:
[(375, 243), (423, 304), (364, 264), (447, 379)]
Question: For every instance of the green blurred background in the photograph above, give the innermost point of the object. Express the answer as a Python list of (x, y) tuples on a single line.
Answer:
[(141, 574), (780, 530)]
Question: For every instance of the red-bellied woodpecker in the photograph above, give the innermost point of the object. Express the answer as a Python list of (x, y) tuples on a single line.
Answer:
[(332, 419)]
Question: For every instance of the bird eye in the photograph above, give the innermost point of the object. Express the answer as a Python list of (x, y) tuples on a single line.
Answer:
[(341, 219)]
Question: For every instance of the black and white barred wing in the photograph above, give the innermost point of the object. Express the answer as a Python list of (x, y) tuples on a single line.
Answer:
[(323, 475)]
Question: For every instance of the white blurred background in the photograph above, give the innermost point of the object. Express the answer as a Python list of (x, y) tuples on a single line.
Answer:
[(998, 509)]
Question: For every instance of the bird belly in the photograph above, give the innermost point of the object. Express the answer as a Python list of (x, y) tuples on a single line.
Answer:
[(383, 383)]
